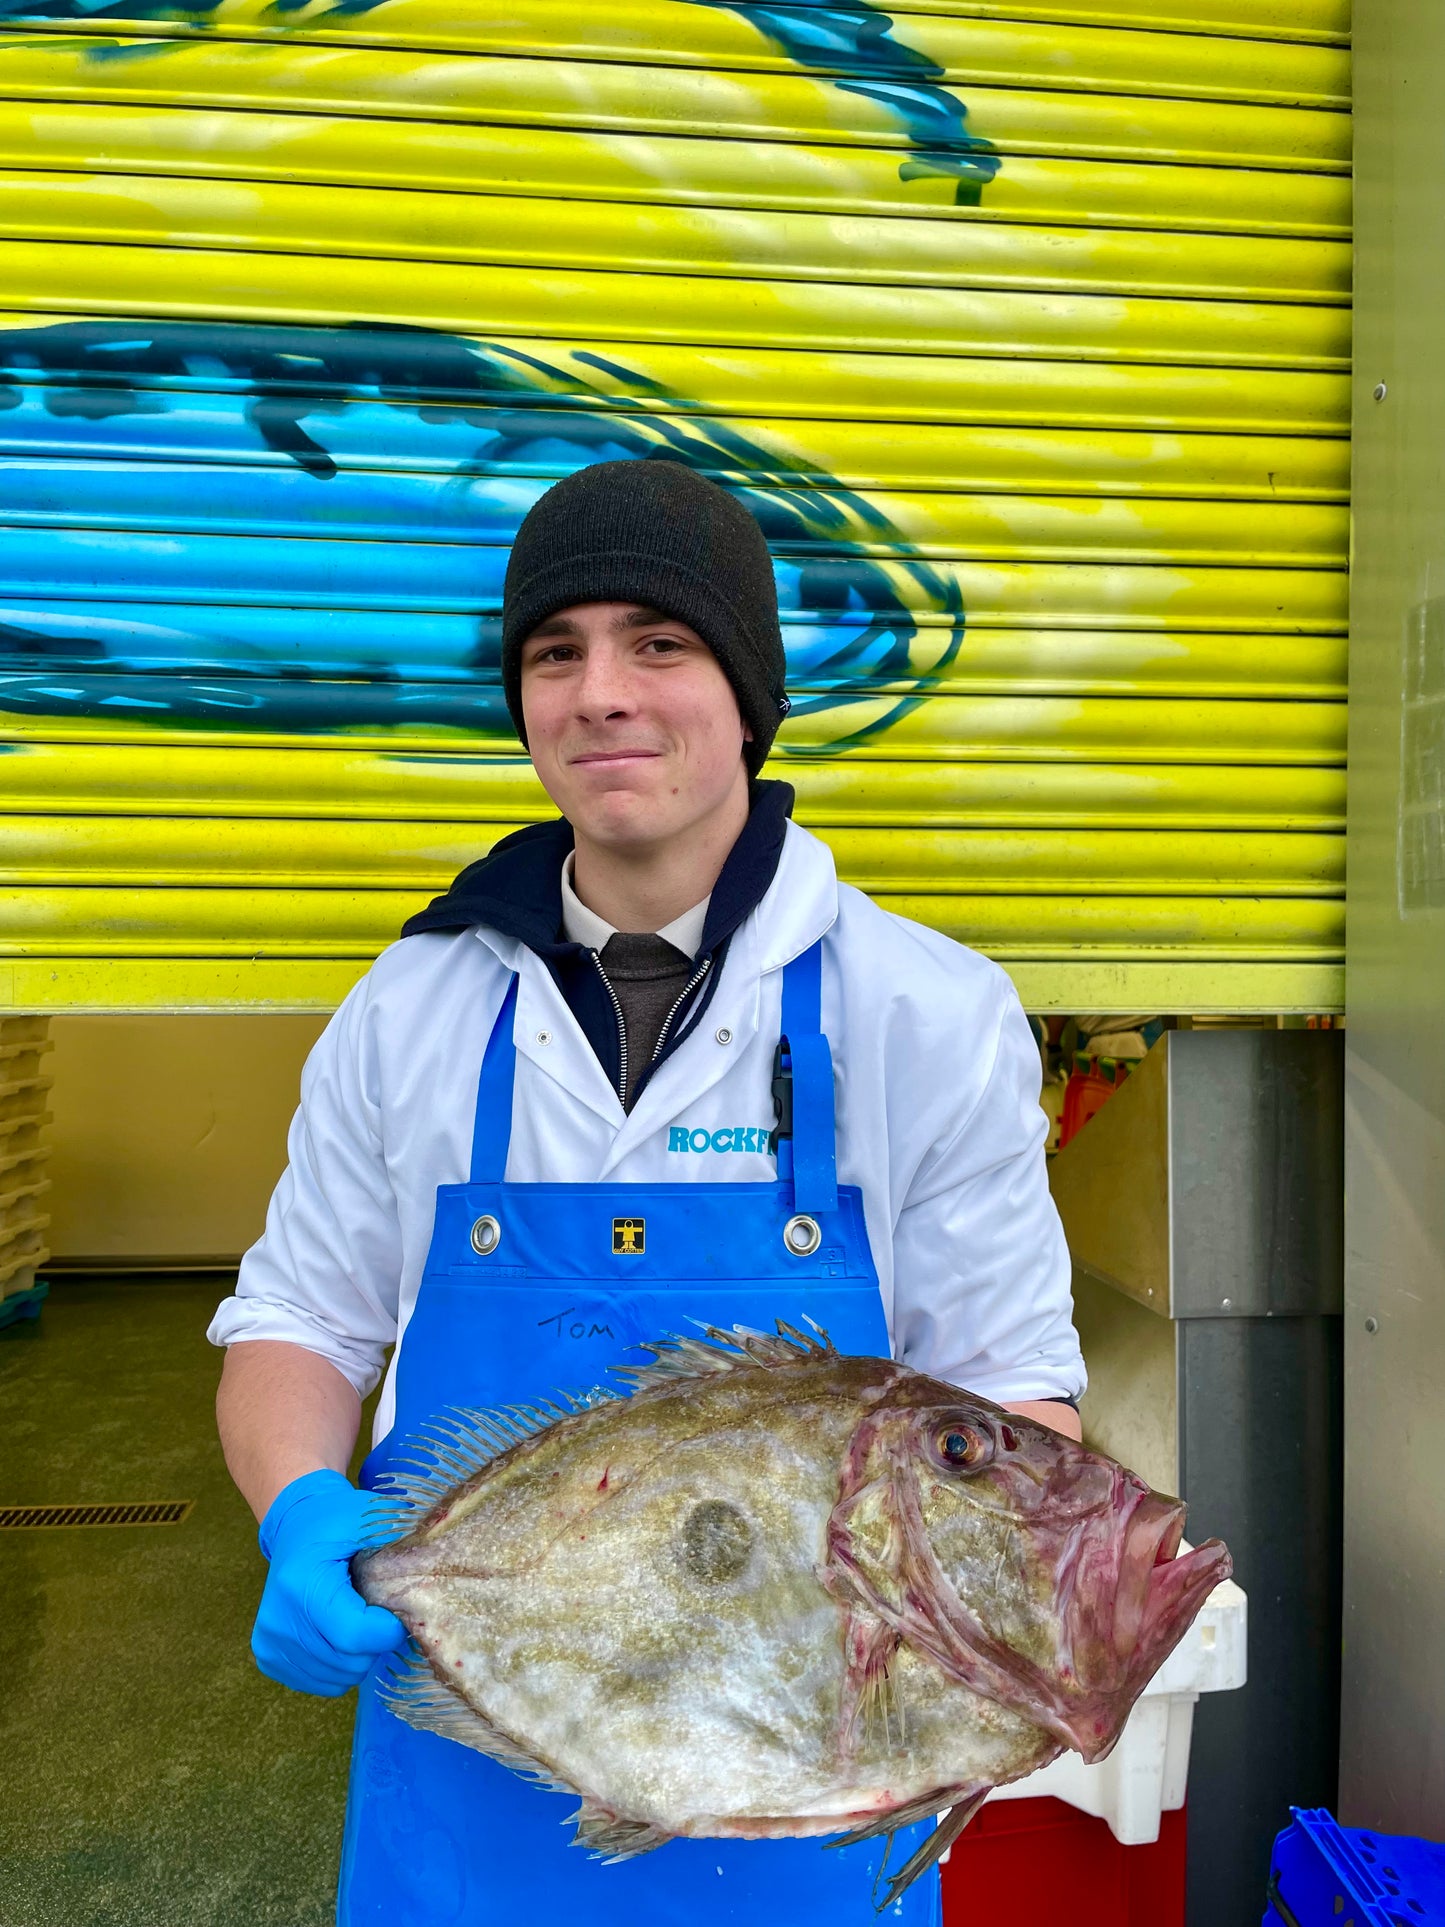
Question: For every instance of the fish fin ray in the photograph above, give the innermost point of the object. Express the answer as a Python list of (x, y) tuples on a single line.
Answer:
[(609, 1838), (459, 1442), (677, 1357), (933, 1848), (937, 1800), (414, 1693), (873, 1699)]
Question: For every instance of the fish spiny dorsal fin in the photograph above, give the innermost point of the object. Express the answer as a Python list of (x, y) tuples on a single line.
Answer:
[(676, 1357), (458, 1443), (788, 1347)]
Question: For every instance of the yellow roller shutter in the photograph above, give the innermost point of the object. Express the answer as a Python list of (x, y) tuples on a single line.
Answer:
[(1022, 328)]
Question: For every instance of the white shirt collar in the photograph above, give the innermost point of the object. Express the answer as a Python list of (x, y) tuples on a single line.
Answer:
[(584, 926)]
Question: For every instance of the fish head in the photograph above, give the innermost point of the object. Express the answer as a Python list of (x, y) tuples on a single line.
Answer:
[(1039, 1574)]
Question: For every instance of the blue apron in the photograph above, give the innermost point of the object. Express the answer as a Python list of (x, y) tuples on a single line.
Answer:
[(569, 1278)]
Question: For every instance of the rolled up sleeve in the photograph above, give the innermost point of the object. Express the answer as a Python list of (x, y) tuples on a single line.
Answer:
[(982, 1292), (325, 1272)]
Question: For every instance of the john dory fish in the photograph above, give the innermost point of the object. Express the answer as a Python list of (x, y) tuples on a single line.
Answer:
[(779, 1591)]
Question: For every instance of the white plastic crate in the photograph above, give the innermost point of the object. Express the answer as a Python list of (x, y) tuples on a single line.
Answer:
[(1147, 1771)]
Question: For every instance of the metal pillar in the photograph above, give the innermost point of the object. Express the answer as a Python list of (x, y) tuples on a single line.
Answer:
[(1392, 1763), (1203, 1209)]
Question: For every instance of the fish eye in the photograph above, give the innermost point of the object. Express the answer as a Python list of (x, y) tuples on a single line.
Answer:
[(961, 1445)]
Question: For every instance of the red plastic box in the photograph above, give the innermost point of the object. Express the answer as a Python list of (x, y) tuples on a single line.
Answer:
[(1039, 1862)]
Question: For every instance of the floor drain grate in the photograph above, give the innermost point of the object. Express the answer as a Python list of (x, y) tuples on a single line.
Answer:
[(158, 1512)]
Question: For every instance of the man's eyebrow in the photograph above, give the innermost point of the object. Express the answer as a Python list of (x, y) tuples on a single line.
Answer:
[(554, 626), (563, 625), (641, 618)]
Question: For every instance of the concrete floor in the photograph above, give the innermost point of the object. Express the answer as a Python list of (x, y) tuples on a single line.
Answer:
[(149, 1776)]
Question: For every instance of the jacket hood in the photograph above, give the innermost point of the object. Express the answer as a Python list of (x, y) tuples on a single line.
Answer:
[(514, 894), (516, 888)]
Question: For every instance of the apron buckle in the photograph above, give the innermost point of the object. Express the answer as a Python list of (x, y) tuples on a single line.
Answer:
[(782, 1096)]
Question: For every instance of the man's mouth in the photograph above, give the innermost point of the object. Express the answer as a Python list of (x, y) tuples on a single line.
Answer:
[(602, 757)]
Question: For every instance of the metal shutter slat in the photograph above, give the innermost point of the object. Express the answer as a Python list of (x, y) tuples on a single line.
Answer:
[(1024, 331)]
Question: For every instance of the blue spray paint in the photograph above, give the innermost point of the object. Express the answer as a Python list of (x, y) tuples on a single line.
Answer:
[(857, 47), (862, 40), (386, 471)]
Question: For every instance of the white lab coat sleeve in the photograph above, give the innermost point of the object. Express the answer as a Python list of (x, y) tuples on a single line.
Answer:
[(982, 1283), (325, 1272)]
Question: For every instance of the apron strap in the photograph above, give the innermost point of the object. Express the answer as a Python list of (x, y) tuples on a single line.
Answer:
[(811, 1149), (808, 1156), (492, 1132)]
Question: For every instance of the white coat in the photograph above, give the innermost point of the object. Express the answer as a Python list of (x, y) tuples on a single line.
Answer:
[(939, 1123)]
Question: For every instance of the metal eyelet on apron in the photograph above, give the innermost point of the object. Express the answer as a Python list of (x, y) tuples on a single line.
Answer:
[(486, 1236), (802, 1236)]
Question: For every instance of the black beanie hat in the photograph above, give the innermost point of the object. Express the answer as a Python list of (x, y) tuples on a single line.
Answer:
[(655, 533)]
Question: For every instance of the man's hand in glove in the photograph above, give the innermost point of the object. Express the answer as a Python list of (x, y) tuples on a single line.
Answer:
[(314, 1632)]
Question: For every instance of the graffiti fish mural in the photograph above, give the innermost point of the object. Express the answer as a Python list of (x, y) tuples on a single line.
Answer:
[(436, 447), (460, 439), (1024, 340)]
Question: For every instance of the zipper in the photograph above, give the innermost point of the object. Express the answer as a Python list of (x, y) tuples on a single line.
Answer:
[(596, 957), (682, 996)]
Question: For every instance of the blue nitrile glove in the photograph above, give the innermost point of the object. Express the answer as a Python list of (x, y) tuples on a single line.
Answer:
[(314, 1632)]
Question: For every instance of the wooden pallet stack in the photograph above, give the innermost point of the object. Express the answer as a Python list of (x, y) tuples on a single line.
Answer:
[(24, 1160)]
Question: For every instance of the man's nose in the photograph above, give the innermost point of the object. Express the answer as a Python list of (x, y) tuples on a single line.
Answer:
[(604, 687)]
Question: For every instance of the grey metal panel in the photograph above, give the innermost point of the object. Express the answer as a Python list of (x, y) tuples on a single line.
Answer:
[(1393, 1714), (1256, 1184), (1210, 1185), (1260, 1450)]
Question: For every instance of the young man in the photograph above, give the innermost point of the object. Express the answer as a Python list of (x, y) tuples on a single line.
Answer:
[(541, 1129)]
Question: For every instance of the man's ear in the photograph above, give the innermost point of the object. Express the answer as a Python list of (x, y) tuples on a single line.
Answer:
[(747, 732)]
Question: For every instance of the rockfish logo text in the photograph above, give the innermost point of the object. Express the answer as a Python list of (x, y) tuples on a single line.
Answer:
[(732, 1137)]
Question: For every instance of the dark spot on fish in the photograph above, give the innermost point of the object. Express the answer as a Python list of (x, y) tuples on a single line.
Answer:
[(602, 1482), (716, 1541)]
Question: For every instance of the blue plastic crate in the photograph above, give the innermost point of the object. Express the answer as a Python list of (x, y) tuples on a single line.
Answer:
[(1325, 1875), (23, 1304)]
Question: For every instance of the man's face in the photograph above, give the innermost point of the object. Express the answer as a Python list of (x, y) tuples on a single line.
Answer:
[(633, 728)]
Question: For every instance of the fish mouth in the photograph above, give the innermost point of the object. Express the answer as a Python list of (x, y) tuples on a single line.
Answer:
[(1151, 1541), (1159, 1591)]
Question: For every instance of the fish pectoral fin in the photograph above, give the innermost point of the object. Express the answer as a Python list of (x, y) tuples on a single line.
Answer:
[(873, 1709), (415, 1694), (933, 1849), (610, 1838)]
